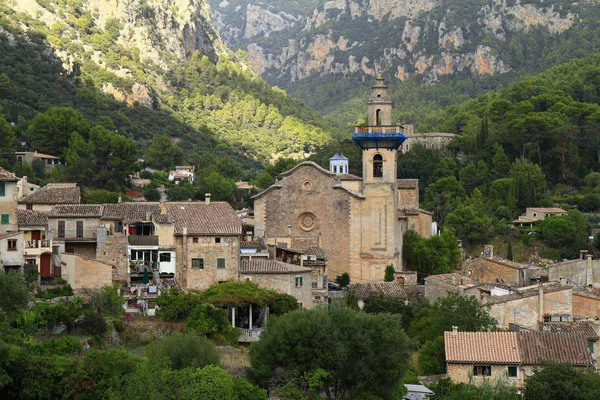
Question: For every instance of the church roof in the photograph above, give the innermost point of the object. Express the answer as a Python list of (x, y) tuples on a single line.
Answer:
[(408, 183), (349, 177), (277, 184), (338, 156)]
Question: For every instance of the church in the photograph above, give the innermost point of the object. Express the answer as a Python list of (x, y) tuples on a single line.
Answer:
[(358, 222)]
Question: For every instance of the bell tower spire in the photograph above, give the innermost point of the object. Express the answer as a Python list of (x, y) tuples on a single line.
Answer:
[(379, 105)]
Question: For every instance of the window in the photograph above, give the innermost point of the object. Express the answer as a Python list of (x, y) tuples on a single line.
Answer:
[(194, 240), (299, 281), (513, 372), (12, 244), (61, 229), (378, 117), (217, 240), (482, 370), (591, 347), (118, 227), (165, 257), (30, 262), (79, 229), (5, 219), (2, 188), (220, 263), (378, 166), (198, 263), (29, 206)]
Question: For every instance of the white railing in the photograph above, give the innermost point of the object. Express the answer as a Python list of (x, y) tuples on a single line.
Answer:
[(250, 335)]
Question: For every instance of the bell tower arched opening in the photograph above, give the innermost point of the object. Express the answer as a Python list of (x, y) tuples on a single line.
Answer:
[(377, 166), (378, 117)]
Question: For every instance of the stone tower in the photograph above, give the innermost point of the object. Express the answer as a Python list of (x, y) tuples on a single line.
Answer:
[(338, 164), (381, 244)]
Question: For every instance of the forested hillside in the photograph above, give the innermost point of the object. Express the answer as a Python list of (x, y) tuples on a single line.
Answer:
[(144, 71)]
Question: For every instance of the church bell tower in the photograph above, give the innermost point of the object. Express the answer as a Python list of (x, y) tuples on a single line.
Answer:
[(381, 241)]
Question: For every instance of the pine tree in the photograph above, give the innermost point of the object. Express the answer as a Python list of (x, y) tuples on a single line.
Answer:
[(389, 273), (509, 252)]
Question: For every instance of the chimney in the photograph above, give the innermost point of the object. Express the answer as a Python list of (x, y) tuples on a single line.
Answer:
[(148, 216), (163, 208), (289, 230), (455, 331), (119, 199), (540, 303), (207, 198), (589, 270)]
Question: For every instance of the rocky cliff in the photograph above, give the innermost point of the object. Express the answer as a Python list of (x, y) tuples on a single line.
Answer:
[(426, 38)]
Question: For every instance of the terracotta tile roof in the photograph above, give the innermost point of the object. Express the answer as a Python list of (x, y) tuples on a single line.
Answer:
[(54, 194), (6, 176), (32, 218), (252, 244), (451, 279), (549, 210), (316, 251), (349, 177), (492, 347), (200, 218), (520, 294), (77, 210), (408, 183), (516, 347), (376, 288), (536, 347), (130, 212), (270, 267), (583, 327)]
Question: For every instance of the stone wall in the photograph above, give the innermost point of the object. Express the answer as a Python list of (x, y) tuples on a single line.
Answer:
[(85, 273), (285, 283), (113, 249), (585, 305), (582, 272), (463, 373), (207, 249), (492, 271), (524, 311), (8, 205), (435, 288)]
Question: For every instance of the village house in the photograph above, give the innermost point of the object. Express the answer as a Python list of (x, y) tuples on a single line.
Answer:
[(75, 226), (49, 161), (8, 201), (25, 188), (49, 196), (281, 277), (37, 249), (535, 214), (529, 306), (586, 304), (183, 173), (357, 222), (477, 357), (368, 289), (583, 272), (589, 329), (11, 252), (437, 286), (497, 270)]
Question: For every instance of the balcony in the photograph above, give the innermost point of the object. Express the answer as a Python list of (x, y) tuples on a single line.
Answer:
[(76, 235), (250, 335), (37, 244), (145, 240), (382, 129)]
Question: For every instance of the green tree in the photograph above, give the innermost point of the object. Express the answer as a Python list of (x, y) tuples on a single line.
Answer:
[(151, 193), (51, 131), (81, 160), (212, 322), (437, 255), (7, 139), (14, 295), (305, 341), (163, 153), (528, 183), (179, 193), (389, 274), (432, 359), (562, 381), (500, 162), (470, 220), (351, 300), (220, 188), (343, 280), (443, 196), (509, 252)]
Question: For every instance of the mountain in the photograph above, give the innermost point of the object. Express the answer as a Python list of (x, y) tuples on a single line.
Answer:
[(153, 67), (323, 51)]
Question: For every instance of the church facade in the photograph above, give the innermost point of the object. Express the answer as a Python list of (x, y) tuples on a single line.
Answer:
[(358, 222)]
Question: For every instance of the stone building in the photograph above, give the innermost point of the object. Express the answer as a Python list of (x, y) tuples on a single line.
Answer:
[(51, 195), (8, 201), (429, 140), (437, 286), (358, 222), (477, 357), (491, 270), (281, 277), (76, 226), (583, 272), (530, 306)]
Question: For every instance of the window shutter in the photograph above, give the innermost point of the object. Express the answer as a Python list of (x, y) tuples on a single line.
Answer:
[(5, 219), (2, 189)]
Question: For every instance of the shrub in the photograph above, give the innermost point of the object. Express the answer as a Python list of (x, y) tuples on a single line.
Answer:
[(93, 324), (181, 351), (175, 305), (208, 320), (58, 291)]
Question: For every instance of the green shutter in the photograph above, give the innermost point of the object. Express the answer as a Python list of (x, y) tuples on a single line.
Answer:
[(5, 219), (2, 189)]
